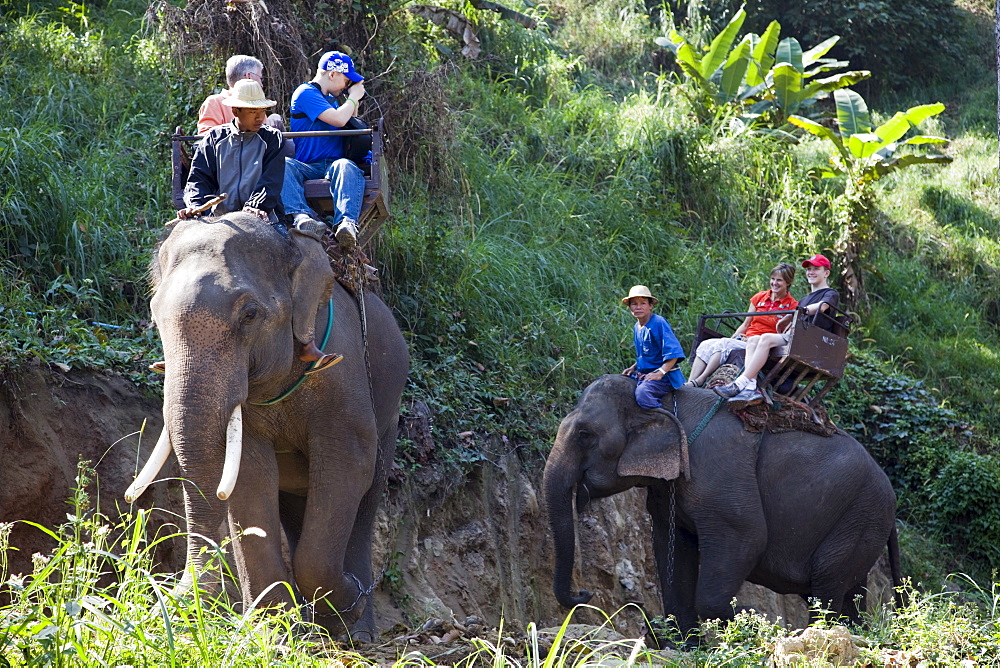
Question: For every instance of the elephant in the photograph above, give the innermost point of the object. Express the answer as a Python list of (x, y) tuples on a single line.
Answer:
[(795, 512), (230, 297)]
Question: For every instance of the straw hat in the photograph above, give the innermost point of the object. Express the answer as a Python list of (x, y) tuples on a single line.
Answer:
[(248, 94), (640, 291)]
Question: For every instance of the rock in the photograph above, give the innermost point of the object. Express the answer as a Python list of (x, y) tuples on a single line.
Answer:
[(816, 647)]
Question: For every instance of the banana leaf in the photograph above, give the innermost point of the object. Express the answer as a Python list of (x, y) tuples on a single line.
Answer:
[(883, 168), (789, 51), (842, 80), (721, 45), (818, 51), (852, 112), (821, 131), (826, 65), (787, 87), (863, 145), (733, 71), (688, 60), (763, 54), (926, 139)]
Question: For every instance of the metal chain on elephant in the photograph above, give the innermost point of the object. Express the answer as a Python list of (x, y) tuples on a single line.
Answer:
[(672, 528), (362, 593), (359, 281)]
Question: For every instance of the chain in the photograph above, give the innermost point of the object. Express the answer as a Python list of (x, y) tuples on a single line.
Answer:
[(362, 593), (670, 538), (360, 278)]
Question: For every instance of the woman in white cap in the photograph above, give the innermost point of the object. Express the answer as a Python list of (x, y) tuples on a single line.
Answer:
[(743, 392), (657, 350)]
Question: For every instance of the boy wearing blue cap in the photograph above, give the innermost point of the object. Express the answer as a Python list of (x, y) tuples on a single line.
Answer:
[(314, 107)]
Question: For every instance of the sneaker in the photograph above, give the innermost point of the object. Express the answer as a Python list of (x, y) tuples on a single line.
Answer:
[(746, 397), (347, 235), (726, 390)]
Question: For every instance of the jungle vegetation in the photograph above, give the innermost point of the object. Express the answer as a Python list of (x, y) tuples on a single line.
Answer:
[(532, 185)]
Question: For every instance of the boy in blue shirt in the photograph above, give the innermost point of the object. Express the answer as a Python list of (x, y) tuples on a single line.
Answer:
[(314, 107), (657, 351)]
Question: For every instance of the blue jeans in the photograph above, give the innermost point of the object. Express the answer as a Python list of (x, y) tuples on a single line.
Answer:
[(347, 186), (650, 393)]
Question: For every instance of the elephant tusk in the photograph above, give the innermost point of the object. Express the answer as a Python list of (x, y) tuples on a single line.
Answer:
[(153, 465), (234, 452)]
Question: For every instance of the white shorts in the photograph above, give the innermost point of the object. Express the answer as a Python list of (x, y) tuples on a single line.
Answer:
[(724, 345)]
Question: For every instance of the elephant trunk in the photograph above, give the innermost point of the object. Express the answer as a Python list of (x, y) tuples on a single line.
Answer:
[(558, 482)]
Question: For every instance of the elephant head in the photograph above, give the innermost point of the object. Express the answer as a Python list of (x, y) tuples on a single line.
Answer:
[(606, 445), (231, 296)]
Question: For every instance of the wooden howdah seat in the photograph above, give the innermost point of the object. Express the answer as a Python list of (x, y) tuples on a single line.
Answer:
[(813, 362), (374, 208)]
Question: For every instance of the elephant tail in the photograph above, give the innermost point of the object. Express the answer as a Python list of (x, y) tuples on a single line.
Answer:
[(894, 570)]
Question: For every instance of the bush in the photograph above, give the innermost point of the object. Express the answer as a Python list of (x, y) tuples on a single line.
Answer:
[(902, 41)]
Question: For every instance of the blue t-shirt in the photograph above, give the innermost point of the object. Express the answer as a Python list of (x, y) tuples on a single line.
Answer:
[(655, 343), (307, 104)]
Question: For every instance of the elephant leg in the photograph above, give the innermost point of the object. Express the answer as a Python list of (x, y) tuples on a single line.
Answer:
[(839, 571), (677, 564), (728, 554), (359, 557), (339, 477), (253, 510)]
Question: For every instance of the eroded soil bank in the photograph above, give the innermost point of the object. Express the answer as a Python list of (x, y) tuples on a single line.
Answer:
[(450, 549)]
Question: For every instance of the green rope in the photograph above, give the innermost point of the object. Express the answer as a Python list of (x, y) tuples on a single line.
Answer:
[(709, 415), (285, 395), (705, 420)]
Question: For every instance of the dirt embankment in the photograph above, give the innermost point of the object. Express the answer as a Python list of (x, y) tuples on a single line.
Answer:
[(450, 548)]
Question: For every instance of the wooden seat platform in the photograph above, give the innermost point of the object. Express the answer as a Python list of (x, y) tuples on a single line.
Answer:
[(374, 208), (811, 364)]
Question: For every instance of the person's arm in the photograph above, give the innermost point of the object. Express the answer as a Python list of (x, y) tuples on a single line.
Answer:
[(741, 330), (211, 114), (202, 183), (338, 117), (267, 194), (663, 370)]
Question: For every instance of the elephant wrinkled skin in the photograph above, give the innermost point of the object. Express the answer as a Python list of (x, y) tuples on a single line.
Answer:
[(231, 297), (794, 512)]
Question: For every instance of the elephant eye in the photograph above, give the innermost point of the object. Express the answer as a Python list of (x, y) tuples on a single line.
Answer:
[(249, 313), (585, 438)]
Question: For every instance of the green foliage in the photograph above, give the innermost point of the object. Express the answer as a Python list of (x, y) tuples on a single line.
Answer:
[(767, 78), (929, 454), (906, 42), (96, 600), (867, 153)]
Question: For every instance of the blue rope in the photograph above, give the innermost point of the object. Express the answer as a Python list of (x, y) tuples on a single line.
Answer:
[(326, 337)]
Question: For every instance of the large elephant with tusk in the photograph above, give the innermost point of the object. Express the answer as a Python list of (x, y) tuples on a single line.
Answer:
[(231, 298)]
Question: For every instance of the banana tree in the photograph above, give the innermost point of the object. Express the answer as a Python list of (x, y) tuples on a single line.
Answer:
[(789, 86), (864, 154), (718, 73), (771, 78)]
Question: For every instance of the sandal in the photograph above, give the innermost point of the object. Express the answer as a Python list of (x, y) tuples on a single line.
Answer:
[(690, 383), (325, 362), (159, 367)]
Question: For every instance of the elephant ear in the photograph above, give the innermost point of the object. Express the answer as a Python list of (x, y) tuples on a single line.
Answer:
[(312, 281), (653, 450)]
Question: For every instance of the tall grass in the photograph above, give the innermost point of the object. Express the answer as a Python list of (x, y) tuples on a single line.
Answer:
[(97, 600)]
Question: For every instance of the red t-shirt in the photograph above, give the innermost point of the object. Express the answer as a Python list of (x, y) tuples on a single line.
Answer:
[(768, 324)]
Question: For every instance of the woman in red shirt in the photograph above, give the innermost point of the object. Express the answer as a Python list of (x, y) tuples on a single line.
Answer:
[(711, 352)]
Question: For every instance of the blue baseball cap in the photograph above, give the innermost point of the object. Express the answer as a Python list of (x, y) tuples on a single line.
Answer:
[(338, 61)]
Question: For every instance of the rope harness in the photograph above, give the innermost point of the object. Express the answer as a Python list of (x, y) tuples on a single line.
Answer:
[(326, 337)]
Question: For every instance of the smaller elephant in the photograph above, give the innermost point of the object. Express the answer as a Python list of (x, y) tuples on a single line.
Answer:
[(795, 512)]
